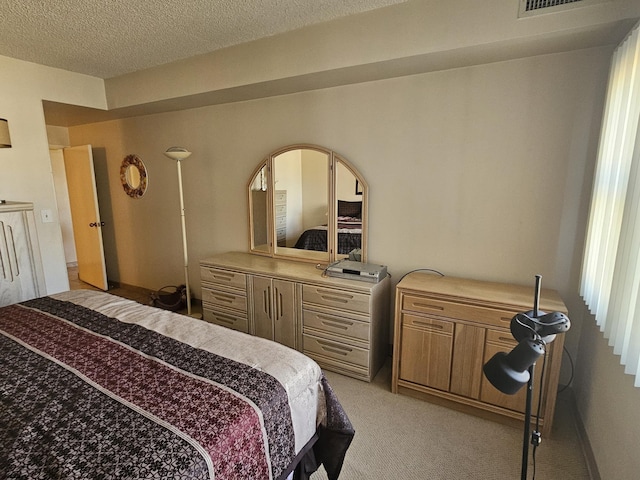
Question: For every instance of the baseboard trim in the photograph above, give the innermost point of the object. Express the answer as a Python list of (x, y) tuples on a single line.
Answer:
[(583, 439)]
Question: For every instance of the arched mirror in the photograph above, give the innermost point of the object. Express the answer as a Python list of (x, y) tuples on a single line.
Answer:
[(133, 176), (308, 203)]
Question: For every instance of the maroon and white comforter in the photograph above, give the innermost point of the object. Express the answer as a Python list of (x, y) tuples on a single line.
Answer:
[(96, 386)]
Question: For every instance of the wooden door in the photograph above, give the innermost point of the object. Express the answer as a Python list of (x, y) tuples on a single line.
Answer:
[(466, 367), (262, 308), (284, 317), (85, 215), (426, 351)]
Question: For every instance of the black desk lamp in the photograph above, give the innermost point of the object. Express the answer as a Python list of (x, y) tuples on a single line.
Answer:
[(509, 372)]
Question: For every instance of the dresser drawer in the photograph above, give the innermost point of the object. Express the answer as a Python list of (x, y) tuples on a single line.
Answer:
[(224, 299), (281, 210), (504, 339), (420, 304), (280, 197), (335, 350), (426, 323), (355, 302), (224, 319), (335, 325), (223, 277)]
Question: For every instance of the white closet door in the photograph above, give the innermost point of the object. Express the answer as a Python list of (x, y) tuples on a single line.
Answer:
[(17, 269)]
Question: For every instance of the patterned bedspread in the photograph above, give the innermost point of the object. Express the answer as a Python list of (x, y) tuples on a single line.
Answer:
[(316, 239), (84, 395)]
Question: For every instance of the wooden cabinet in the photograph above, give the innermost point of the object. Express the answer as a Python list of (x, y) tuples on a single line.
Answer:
[(340, 323), (21, 274), (447, 328)]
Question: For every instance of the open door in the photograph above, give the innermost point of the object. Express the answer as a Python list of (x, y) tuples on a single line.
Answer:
[(85, 215)]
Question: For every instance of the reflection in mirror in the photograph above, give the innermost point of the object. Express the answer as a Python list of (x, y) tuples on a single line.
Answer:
[(308, 203), (258, 209), (349, 194), (133, 176), (301, 202)]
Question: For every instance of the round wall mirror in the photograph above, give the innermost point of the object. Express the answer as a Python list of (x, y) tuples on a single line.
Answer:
[(133, 176)]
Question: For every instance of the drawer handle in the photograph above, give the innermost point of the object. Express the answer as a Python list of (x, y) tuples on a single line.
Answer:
[(428, 305), (221, 275), (227, 320), (427, 324), (335, 323), (505, 319), (505, 339), (339, 349), (223, 298), (335, 298)]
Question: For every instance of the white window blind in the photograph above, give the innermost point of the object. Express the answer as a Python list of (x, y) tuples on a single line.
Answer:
[(611, 266)]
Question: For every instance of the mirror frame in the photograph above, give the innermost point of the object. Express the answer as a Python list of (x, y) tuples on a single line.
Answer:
[(133, 161), (332, 235)]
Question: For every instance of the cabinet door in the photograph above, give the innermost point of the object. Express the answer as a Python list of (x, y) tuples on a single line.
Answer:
[(274, 310), (426, 351), (262, 307), (466, 368), (284, 317), (17, 279)]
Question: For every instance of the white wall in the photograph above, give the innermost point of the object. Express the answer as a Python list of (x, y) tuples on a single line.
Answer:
[(25, 169), (608, 405), (477, 172)]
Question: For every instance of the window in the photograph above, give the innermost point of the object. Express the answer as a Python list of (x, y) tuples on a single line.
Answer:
[(610, 282)]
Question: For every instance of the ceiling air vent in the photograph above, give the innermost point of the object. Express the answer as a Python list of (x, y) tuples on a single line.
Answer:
[(534, 7)]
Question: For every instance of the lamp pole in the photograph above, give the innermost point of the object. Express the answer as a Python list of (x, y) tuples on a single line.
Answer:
[(527, 411), (509, 372), (184, 237), (178, 154)]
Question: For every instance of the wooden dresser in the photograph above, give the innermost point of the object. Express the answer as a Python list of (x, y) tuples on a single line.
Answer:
[(447, 328), (340, 323)]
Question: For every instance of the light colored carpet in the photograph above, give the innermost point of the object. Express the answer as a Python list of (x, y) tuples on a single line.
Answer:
[(398, 437)]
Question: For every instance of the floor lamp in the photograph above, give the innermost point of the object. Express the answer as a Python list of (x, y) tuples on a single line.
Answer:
[(178, 154), (509, 372)]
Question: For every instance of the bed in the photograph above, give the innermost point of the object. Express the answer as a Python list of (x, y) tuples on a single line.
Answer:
[(94, 386), (349, 230)]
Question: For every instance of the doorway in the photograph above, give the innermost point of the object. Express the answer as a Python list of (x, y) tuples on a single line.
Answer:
[(79, 213)]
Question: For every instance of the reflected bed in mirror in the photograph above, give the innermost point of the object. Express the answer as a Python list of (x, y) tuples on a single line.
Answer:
[(308, 203)]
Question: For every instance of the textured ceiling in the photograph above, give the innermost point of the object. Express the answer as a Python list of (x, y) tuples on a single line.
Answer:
[(106, 38)]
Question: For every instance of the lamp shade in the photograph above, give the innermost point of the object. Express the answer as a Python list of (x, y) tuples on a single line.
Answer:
[(5, 139), (547, 326), (177, 153), (509, 372)]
